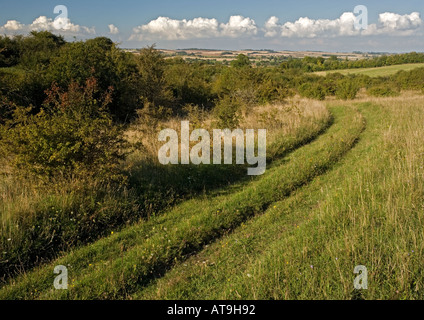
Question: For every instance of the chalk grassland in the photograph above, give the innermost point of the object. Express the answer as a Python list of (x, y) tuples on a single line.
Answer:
[(345, 191), (366, 211), (376, 72), (32, 217), (279, 119), (120, 265)]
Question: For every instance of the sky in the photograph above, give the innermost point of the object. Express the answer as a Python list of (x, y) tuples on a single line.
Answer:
[(326, 25)]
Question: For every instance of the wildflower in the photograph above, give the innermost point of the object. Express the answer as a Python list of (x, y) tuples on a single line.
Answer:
[(312, 266), (111, 232)]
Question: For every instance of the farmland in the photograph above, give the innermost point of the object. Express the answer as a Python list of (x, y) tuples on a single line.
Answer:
[(376, 72)]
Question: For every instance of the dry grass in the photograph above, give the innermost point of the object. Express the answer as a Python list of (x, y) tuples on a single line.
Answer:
[(279, 119)]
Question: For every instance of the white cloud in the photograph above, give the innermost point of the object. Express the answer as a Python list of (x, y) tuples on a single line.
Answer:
[(169, 29), (309, 28), (59, 24), (394, 21), (113, 29), (238, 26), (42, 23), (388, 24), (395, 24), (13, 25), (271, 27)]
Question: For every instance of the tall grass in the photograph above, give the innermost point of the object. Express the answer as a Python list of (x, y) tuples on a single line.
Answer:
[(366, 211), (38, 222), (116, 266)]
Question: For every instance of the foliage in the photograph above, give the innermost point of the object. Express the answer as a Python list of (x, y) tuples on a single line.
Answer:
[(347, 89), (152, 85), (72, 136), (312, 91), (227, 111), (383, 91), (241, 61)]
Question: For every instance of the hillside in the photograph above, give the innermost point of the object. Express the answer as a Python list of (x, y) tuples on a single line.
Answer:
[(340, 197)]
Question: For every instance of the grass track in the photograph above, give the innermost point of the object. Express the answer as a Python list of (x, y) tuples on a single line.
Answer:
[(148, 251), (363, 211)]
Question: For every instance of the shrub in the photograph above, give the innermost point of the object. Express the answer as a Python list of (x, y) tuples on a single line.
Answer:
[(73, 136), (227, 110), (347, 89), (383, 91), (312, 91)]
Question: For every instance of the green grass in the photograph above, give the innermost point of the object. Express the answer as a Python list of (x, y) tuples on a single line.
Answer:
[(352, 196), (38, 224), (366, 211), (376, 72), (119, 265)]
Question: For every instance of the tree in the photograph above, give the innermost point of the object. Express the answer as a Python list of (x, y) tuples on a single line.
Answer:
[(241, 61), (37, 50), (99, 58), (152, 83)]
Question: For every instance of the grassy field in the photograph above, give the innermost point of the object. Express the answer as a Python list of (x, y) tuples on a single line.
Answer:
[(376, 72), (365, 211), (343, 191)]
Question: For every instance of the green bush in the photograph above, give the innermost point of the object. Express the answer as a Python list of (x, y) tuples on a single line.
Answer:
[(347, 89), (73, 136), (410, 80), (383, 91), (312, 91), (227, 110)]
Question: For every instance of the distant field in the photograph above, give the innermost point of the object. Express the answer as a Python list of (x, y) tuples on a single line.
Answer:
[(258, 55), (376, 72)]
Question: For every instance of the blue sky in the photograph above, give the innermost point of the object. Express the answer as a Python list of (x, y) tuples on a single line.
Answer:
[(398, 32)]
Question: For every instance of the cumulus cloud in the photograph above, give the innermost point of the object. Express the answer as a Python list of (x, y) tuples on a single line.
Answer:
[(272, 27), (113, 29), (42, 23), (238, 26), (395, 24), (310, 28), (59, 24), (388, 24), (13, 25), (394, 21), (170, 29)]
